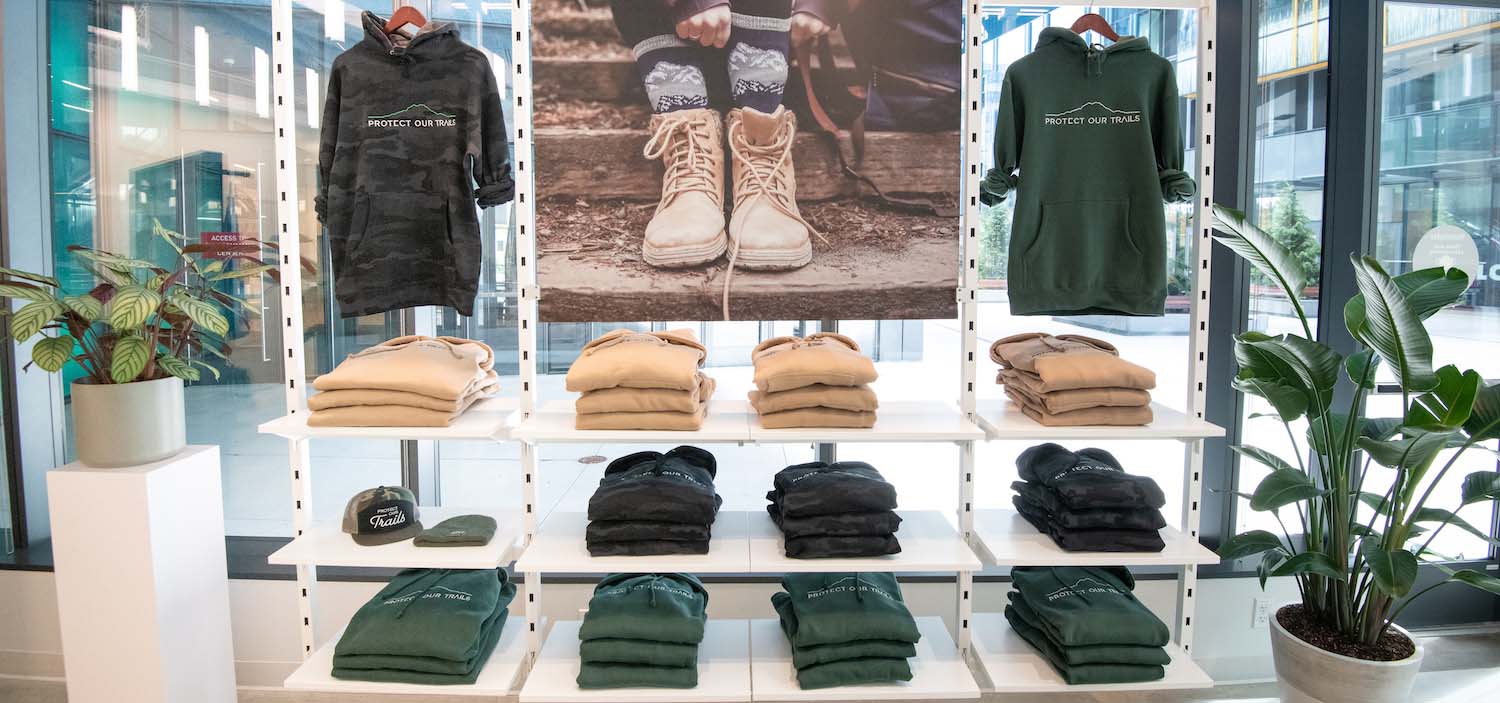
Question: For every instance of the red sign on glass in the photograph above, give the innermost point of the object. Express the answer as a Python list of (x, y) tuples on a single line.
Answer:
[(222, 245)]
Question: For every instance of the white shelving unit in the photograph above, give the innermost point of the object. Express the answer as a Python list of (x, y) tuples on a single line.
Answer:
[(743, 660)]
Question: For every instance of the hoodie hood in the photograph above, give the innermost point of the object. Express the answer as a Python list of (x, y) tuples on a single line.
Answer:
[(434, 38), (1094, 55)]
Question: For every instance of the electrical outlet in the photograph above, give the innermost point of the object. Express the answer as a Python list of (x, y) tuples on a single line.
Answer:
[(1260, 613)]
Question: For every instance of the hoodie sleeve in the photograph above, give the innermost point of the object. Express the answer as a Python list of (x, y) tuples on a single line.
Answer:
[(492, 170), (328, 140), (1176, 185), (1009, 128)]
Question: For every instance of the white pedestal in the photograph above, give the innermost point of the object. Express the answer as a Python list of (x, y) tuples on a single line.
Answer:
[(142, 583)]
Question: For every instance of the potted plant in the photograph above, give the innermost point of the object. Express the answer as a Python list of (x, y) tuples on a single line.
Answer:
[(136, 336), (1356, 560)]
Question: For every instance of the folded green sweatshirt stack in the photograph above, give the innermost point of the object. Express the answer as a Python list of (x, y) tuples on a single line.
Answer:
[(846, 629), (1087, 624), (427, 626), (643, 630)]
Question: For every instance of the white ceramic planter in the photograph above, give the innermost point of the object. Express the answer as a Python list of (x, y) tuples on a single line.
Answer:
[(128, 424), (1308, 674)]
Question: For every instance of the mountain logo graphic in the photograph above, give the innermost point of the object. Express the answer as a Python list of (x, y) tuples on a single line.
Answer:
[(1094, 104), (1084, 584), (415, 106)]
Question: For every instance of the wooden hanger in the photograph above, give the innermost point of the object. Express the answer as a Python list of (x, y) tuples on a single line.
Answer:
[(404, 15), (1092, 21)]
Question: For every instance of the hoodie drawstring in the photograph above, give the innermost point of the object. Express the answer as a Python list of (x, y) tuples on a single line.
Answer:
[(652, 588), (859, 593), (1095, 63)]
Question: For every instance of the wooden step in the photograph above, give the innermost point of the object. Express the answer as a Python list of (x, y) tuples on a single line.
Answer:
[(607, 163), (873, 264), (602, 72), (571, 23)]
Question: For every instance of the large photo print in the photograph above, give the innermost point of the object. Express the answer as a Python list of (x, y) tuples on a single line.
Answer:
[(747, 159)]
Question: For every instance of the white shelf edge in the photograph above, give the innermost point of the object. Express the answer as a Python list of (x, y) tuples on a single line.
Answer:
[(1012, 666), (996, 526), (491, 419), (325, 544), (1002, 421), (496, 678)]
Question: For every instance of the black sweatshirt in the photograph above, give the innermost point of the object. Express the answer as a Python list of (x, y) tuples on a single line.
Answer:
[(413, 135)]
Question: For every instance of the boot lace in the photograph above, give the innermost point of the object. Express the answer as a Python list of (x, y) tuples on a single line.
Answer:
[(685, 146), (765, 176)]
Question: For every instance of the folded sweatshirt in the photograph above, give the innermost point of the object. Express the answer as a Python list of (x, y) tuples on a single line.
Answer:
[(1041, 499), (388, 667), (1069, 361), (1109, 416), (642, 652), (651, 486), (630, 359), (374, 396), (882, 522), (840, 547), (1090, 540), (448, 368), (816, 417), (654, 607), (595, 675), (646, 547), (1080, 605), (1021, 616), (1079, 674), (817, 395), (806, 656), (388, 415), (1064, 401), (836, 608), (434, 613), (634, 530), (646, 400), (1088, 478), (818, 488), (662, 421), (785, 363)]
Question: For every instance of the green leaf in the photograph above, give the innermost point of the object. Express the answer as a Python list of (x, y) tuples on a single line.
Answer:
[(1309, 563), (1477, 579), (27, 275), (1481, 486), (85, 306), (1257, 454), (51, 353), (132, 306), (112, 261), (1484, 420), (1289, 402), (1249, 544), (1268, 563), (1391, 328), (23, 291), (128, 359), (201, 312), (177, 367), (32, 317), (243, 273), (1262, 250), (1440, 515), (1361, 367), (1280, 488), (1446, 407), (211, 368), (1411, 453), (1394, 571), (1426, 291), (1307, 366), (1380, 428)]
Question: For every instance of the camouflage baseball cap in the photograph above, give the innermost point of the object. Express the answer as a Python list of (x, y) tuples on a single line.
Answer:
[(381, 516)]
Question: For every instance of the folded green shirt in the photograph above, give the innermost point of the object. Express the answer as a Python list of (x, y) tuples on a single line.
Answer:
[(618, 651), (487, 647), (433, 613), (1080, 605), (803, 657), (596, 675), (840, 608), (850, 672), (653, 607), (426, 665), (1075, 674), (1083, 654)]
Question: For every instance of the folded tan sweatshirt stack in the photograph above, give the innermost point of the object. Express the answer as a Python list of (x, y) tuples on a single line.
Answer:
[(1069, 380), (410, 381), (820, 381), (641, 381)]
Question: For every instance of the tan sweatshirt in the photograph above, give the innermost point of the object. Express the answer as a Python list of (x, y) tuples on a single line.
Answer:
[(784, 363), (1069, 361), (361, 396), (448, 368), (386, 416), (643, 400), (817, 417), (1135, 415), (629, 359), (818, 395), (1073, 399)]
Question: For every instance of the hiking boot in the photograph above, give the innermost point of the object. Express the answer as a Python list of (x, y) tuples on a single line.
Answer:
[(688, 227)]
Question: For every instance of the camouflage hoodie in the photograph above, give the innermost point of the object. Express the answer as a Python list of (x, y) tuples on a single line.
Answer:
[(413, 134)]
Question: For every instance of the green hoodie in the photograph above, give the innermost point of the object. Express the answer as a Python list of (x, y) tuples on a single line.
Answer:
[(1089, 138)]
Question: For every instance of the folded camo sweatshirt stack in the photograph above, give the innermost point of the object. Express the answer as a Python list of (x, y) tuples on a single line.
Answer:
[(1069, 380), (819, 381), (846, 629), (843, 509), (643, 630), (427, 626), (1086, 503), (1087, 624), (641, 381), (649, 503), (410, 381)]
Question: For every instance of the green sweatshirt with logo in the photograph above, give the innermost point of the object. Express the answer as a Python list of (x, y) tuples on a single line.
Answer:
[(1088, 137)]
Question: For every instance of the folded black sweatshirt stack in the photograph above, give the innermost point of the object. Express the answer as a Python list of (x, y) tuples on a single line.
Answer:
[(649, 503), (843, 509), (1086, 503), (1087, 624)]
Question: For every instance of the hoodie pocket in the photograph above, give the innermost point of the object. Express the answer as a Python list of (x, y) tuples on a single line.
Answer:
[(401, 239), (1081, 243)]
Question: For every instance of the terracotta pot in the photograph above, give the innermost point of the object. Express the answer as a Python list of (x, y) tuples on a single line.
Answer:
[(1308, 674), (128, 424)]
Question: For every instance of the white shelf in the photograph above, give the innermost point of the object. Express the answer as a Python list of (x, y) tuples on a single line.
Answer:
[(723, 670), (938, 671), (896, 421), (496, 678), (1008, 540), (488, 419), (559, 547), (327, 545), (1001, 419), (727, 421), (929, 542), (1014, 667)]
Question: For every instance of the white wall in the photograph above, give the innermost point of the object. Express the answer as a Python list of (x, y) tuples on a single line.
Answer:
[(266, 640)]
